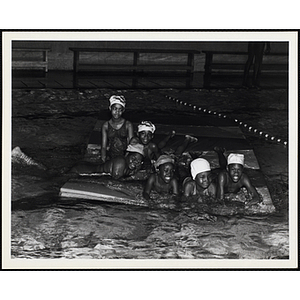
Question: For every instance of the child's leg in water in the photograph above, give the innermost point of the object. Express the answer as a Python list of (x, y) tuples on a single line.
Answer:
[(164, 141), (183, 160), (188, 139), (222, 160)]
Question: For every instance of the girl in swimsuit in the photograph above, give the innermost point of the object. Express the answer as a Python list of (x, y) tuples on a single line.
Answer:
[(117, 132), (201, 183), (163, 181)]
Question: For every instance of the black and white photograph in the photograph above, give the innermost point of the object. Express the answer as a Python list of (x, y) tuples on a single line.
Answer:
[(152, 150)]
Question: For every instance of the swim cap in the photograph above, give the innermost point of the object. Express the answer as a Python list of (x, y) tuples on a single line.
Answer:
[(199, 165), (163, 159), (117, 100), (235, 158), (146, 126), (139, 148)]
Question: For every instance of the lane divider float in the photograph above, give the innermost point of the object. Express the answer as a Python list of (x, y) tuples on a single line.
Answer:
[(242, 124)]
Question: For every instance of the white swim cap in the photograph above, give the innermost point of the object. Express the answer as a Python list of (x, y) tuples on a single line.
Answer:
[(117, 100), (199, 165), (163, 159), (146, 126), (235, 158), (139, 148)]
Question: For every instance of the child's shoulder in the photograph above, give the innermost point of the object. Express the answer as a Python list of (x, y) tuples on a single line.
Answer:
[(118, 160), (174, 179), (212, 186), (188, 186), (105, 124), (128, 123), (223, 173), (188, 181), (152, 145), (244, 179), (152, 177)]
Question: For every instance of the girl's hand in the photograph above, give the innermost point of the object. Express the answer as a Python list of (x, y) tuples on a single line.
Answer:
[(176, 197)]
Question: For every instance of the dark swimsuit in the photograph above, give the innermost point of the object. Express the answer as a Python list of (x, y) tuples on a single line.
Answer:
[(117, 140)]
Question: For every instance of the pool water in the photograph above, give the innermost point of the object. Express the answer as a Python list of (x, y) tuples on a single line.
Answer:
[(53, 129), (82, 229)]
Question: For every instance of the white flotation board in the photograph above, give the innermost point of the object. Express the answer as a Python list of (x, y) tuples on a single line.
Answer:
[(90, 189), (208, 137)]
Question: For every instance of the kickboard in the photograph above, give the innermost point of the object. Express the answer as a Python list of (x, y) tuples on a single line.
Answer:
[(87, 188), (208, 138), (91, 189)]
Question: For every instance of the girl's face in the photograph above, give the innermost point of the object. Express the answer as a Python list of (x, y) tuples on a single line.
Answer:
[(235, 172), (145, 137), (203, 179), (166, 172), (134, 160), (117, 111)]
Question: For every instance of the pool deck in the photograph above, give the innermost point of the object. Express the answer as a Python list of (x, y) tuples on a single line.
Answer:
[(65, 80)]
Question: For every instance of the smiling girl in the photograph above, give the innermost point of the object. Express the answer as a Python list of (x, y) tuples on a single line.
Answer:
[(201, 182), (117, 132), (232, 179), (163, 181)]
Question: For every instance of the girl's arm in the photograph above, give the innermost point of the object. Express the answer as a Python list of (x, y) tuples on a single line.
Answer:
[(213, 190), (250, 188), (221, 185), (129, 131), (148, 187), (155, 151), (188, 189), (175, 189), (104, 141), (118, 166)]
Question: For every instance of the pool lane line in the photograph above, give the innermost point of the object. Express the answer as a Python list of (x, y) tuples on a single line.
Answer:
[(267, 136)]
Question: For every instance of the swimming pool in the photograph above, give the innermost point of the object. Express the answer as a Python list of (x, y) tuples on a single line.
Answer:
[(52, 126)]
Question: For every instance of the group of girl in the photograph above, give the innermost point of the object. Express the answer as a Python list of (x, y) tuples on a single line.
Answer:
[(124, 155)]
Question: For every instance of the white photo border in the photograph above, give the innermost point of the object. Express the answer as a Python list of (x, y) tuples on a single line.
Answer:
[(184, 36)]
